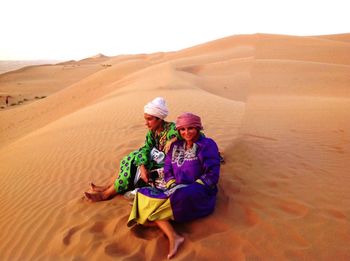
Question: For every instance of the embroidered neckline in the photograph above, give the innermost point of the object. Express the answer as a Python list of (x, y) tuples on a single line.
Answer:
[(193, 149), (180, 154)]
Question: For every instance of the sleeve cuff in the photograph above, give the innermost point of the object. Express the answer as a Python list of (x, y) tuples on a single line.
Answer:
[(200, 181), (170, 182)]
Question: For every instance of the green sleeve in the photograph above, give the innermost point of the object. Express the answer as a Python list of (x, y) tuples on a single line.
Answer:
[(142, 156), (172, 132)]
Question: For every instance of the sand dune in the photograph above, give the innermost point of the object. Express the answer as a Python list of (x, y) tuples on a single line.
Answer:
[(337, 37), (7, 66), (278, 107)]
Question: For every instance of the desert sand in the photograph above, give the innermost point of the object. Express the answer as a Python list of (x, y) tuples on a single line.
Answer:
[(278, 107), (12, 65)]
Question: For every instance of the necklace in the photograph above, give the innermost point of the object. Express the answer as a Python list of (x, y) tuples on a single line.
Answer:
[(160, 138)]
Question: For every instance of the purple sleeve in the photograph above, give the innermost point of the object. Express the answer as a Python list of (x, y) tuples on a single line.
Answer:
[(209, 157), (168, 168)]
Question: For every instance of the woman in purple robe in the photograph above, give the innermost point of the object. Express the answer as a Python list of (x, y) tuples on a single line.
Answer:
[(191, 172)]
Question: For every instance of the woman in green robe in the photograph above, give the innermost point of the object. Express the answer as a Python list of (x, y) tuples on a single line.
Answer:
[(136, 167)]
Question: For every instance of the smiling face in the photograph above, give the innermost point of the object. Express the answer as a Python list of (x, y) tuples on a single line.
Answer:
[(189, 134), (153, 123)]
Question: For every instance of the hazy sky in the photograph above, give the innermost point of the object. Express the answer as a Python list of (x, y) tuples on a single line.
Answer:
[(76, 29)]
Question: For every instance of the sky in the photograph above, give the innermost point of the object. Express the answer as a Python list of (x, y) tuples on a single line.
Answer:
[(77, 29)]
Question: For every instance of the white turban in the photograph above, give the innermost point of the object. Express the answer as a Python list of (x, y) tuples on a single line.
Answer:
[(157, 107)]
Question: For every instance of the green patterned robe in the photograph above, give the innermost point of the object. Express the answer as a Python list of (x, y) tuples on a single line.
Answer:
[(129, 164)]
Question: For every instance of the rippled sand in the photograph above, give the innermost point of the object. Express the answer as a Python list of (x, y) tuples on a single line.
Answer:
[(278, 107)]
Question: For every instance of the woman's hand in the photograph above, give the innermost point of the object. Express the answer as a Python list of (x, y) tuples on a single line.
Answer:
[(144, 173), (168, 144)]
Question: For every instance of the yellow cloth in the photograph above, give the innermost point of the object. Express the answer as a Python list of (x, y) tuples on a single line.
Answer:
[(149, 209), (200, 181), (170, 182)]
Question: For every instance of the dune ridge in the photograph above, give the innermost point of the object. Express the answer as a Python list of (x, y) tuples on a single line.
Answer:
[(276, 105)]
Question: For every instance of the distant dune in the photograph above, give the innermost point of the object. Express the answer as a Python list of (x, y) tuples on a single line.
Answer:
[(277, 106), (7, 66)]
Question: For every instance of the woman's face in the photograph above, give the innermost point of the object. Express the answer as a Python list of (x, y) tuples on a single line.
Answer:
[(189, 133), (152, 122)]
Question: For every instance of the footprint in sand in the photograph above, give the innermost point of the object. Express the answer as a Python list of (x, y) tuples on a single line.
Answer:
[(336, 214), (251, 217), (146, 233), (67, 237), (295, 209), (115, 249), (337, 149), (98, 227)]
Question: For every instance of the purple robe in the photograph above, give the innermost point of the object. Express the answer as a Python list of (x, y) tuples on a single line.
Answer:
[(201, 164), (195, 174)]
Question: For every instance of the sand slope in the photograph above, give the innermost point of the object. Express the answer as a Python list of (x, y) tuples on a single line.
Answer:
[(12, 65), (278, 107)]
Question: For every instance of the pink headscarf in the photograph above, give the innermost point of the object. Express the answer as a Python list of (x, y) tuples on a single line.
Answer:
[(188, 119)]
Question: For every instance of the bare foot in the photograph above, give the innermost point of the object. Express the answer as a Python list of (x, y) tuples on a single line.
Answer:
[(175, 245), (94, 197), (96, 188)]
